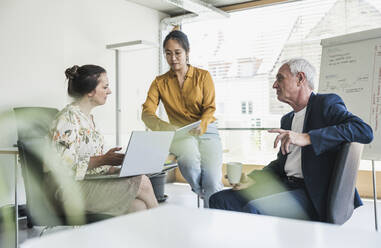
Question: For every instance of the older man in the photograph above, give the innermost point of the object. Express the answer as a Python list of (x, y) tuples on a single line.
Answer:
[(295, 185)]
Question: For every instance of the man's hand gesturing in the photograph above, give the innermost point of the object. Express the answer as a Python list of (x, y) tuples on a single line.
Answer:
[(287, 137)]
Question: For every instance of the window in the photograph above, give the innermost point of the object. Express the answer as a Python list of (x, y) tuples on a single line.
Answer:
[(247, 107), (250, 103), (244, 52), (243, 107)]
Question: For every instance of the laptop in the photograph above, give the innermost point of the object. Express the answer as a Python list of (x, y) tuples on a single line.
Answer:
[(146, 154)]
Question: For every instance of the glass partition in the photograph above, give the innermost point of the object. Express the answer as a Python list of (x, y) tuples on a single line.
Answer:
[(248, 145)]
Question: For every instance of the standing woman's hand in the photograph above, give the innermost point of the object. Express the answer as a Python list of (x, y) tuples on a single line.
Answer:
[(169, 127), (196, 131)]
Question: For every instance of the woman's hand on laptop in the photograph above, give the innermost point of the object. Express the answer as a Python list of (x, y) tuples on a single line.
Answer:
[(112, 157), (109, 158), (113, 170)]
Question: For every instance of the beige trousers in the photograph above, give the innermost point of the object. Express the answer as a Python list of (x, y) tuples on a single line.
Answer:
[(103, 196)]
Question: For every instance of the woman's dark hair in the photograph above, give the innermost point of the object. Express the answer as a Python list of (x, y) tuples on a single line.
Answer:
[(82, 79), (180, 37)]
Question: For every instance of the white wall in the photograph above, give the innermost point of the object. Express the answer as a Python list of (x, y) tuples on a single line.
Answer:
[(39, 39)]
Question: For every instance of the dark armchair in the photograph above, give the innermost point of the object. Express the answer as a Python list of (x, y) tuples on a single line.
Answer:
[(343, 182)]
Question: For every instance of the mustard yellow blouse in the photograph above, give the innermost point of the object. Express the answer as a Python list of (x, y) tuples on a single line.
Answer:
[(195, 101)]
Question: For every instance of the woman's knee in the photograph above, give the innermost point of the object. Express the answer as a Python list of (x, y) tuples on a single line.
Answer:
[(145, 185), (146, 193), (189, 161), (137, 205)]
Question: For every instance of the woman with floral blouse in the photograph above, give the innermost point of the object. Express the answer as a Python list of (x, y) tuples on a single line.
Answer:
[(81, 148)]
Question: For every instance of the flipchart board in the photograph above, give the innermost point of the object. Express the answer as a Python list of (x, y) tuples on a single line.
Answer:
[(351, 68)]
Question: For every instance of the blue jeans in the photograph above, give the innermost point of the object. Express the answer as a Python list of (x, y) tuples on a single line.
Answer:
[(272, 198), (289, 204), (200, 162)]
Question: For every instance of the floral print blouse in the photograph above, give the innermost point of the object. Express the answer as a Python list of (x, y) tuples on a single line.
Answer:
[(76, 139)]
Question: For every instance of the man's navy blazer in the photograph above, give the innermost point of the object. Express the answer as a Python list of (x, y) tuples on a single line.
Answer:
[(329, 124)]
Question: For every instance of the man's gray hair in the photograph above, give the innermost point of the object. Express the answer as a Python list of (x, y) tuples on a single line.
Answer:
[(301, 65)]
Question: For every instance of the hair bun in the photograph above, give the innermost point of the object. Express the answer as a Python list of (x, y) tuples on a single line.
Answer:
[(72, 72)]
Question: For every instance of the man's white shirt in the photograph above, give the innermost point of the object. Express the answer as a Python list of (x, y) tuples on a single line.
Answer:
[(293, 166)]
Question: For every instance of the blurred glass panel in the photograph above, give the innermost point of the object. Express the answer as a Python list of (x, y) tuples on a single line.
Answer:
[(248, 146)]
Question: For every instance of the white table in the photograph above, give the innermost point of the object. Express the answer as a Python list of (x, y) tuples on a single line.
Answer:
[(14, 151), (172, 226)]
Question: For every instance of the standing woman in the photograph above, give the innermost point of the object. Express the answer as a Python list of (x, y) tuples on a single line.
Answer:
[(80, 146), (188, 95)]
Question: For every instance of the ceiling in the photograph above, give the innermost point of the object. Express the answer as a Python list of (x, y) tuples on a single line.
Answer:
[(172, 10)]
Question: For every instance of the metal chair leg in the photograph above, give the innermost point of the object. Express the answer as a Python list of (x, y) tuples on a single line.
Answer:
[(198, 201), (374, 196), (45, 229)]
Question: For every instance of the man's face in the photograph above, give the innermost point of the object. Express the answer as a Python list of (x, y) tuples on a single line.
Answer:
[(286, 85)]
